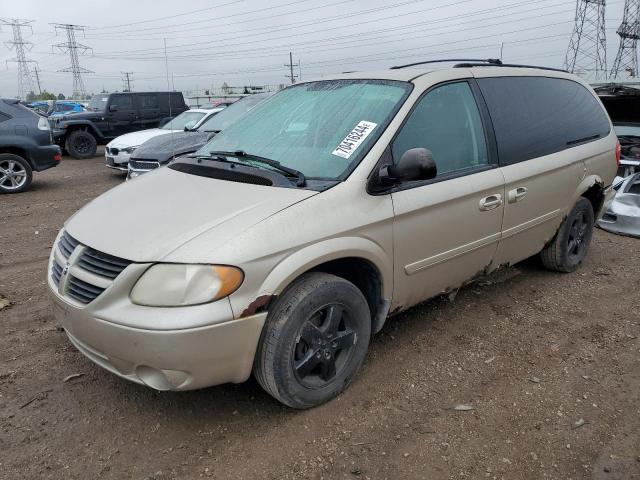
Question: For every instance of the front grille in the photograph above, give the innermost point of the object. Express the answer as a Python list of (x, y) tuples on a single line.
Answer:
[(102, 264), (89, 260), (143, 164), (67, 244), (56, 272), (82, 291)]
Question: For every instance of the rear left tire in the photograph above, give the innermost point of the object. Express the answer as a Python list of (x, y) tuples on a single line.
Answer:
[(314, 341), (15, 173)]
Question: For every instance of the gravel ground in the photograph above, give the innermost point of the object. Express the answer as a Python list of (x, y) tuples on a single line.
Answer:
[(545, 366)]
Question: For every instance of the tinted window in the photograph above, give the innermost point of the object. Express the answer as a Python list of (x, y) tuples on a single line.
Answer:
[(536, 116), (124, 102), (177, 101), (447, 122), (4, 117), (149, 101)]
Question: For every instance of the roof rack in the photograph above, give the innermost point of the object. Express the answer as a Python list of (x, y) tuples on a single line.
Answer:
[(467, 63), (511, 65), (488, 61)]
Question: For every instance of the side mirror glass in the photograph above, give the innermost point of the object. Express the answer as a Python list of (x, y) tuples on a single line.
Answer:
[(113, 108), (415, 164)]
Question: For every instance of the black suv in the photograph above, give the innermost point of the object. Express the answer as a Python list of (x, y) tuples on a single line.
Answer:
[(112, 115), (25, 145)]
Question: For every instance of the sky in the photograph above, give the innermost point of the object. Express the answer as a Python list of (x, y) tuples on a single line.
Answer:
[(247, 42)]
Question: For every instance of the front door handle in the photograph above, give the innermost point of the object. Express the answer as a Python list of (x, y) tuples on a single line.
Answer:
[(517, 194), (491, 202)]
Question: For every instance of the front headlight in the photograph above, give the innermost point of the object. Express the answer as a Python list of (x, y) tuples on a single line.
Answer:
[(180, 285), (128, 150)]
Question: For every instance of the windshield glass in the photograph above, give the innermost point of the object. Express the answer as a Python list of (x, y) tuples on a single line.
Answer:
[(185, 119), (320, 128), (98, 102), (231, 113)]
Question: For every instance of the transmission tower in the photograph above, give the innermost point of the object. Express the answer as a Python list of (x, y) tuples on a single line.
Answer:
[(25, 81), (587, 52), (629, 31), (126, 81), (74, 48)]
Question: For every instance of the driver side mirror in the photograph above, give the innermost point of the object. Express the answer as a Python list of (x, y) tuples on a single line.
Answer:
[(415, 164), (113, 108)]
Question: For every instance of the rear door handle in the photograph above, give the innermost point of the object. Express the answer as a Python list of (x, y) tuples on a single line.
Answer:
[(517, 194), (491, 202)]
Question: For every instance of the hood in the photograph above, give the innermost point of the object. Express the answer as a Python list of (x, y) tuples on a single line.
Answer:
[(146, 219), (165, 147), (88, 115), (135, 139)]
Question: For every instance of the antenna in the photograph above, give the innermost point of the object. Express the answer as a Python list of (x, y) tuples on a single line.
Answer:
[(587, 51), (25, 81), (72, 47), (629, 32)]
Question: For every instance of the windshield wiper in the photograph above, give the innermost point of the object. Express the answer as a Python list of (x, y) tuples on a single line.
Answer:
[(301, 181)]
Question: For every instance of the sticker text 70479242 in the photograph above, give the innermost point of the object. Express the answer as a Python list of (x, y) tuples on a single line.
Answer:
[(353, 140)]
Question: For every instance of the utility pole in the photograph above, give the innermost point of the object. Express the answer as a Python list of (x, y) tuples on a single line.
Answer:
[(36, 72), (126, 81), (587, 50), (629, 32), (292, 76), (25, 82), (72, 47)]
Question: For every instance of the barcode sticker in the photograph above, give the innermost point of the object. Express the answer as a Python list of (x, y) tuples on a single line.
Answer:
[(354, 139)]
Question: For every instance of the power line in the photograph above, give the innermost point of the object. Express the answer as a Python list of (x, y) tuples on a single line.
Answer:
[(73, 47), (25, 82), (629, 31)]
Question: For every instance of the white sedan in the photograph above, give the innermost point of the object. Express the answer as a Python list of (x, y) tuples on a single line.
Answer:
[(118, 150)]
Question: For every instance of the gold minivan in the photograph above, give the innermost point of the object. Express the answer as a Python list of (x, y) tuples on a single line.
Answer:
[(285, 242)]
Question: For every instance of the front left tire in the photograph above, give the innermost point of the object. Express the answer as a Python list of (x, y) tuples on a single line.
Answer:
[(15, 173), (314, 341)]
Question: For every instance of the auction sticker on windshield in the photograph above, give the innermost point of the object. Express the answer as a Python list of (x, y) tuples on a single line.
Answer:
[(353, 140)]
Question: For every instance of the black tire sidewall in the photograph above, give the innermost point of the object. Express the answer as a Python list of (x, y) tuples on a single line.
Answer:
[(298, 307), (72, 138), (568, 264), (25, 164)]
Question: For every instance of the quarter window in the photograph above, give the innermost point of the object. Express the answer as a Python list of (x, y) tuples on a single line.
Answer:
[(149, 101), (537, 116), (447, 122)]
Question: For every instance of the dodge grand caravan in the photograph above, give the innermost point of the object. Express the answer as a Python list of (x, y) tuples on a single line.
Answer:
[(285, 242)]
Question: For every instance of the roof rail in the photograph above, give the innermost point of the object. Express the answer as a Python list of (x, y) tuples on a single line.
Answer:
[(488, 61), (511, 65)]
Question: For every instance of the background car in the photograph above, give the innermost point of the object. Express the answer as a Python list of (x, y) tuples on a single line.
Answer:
[(160, 151), (119, 150), (111, 115), (623, 106), (25, 146)]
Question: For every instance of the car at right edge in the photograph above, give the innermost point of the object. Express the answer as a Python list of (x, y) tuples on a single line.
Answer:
[(288, 239)]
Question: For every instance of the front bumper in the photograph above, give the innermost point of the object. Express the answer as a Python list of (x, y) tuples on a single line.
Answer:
[(180, 348), (118, 161)]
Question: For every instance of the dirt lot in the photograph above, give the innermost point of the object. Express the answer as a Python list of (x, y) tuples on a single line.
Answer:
[(550, 364)]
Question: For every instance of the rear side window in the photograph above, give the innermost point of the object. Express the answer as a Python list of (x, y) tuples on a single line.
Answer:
[(124, 102), (149, 101), (536, 116), (177, 101)]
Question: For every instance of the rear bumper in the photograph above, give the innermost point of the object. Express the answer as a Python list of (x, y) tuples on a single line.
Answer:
[(45, 157)]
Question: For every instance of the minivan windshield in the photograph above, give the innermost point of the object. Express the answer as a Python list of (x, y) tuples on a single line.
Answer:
[(185, 119), (321, 129), (98, 102)]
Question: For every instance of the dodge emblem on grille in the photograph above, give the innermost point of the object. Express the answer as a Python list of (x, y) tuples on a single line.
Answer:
[(65, 270)]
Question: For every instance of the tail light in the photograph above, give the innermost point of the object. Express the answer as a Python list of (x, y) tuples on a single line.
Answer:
[(57, 157), (618, 153)]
